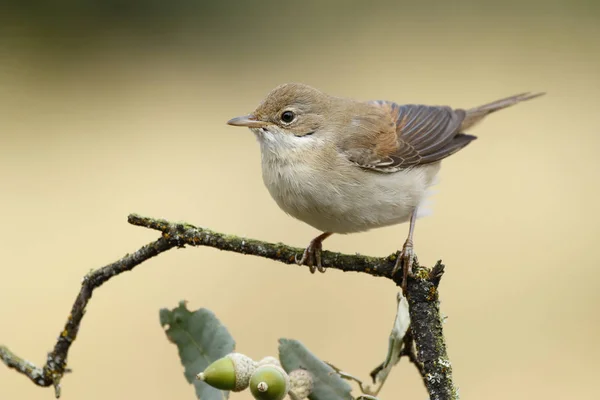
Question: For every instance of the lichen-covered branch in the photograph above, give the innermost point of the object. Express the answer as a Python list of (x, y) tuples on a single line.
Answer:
[(23, 366), (426, 328), (421, 293), (56, 361), (186, 234)]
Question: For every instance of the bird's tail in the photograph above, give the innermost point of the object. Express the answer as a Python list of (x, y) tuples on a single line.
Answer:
[(476, 114)]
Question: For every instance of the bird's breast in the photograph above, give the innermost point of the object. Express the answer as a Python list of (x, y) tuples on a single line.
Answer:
[(332, 194)]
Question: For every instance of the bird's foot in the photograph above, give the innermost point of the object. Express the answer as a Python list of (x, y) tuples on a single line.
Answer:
[(312, 256), (405, 261)]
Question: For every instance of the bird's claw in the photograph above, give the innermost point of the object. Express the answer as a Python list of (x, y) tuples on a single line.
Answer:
[(312, 257), (405, 261)]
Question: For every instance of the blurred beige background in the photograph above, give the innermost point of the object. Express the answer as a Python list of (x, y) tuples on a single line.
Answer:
[(114, 109)]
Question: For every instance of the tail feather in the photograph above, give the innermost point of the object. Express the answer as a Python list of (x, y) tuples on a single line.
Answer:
[(476, 114)]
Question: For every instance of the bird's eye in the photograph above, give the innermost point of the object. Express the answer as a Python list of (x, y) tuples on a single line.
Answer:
[(287, 116)]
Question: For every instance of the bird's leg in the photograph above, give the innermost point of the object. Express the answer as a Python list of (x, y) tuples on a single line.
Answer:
[(312, 254), (406, 256)]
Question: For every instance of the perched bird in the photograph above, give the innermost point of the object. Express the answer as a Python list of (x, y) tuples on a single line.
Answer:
[(345, 166)]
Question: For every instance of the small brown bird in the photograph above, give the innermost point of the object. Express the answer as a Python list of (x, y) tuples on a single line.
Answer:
[(345, 166)]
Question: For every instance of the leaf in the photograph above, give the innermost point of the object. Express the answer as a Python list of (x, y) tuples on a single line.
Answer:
[(328, 385), (396, 340), (201, 339)]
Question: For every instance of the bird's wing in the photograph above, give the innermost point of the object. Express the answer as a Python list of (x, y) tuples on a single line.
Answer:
[(414, 135)]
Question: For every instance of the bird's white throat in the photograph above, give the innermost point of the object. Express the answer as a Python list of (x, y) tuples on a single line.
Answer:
[(285, 146)]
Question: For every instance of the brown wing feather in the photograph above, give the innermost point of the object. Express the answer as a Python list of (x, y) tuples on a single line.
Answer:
[(390, 137), (424, 134)]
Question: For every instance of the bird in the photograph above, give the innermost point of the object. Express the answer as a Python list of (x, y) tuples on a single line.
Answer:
[(345, 166)]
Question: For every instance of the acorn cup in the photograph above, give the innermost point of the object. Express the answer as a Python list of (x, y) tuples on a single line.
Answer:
[(301, 384), (269, 382), (231, 372)]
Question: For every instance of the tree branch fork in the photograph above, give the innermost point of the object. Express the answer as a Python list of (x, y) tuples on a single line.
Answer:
[(422, 295)]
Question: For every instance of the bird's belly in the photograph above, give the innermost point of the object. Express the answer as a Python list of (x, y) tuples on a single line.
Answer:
[(359, 201)]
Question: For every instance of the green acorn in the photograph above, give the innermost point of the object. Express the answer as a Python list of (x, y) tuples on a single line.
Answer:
[(231, 372), (301, 383), (269, 382)]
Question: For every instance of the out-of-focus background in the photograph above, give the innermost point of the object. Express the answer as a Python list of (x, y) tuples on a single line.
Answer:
[(113, 107)]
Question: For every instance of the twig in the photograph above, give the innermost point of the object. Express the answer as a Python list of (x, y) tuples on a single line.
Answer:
[(56, 362), (424, 305), (409, 351), (364, 388), (36, 374)]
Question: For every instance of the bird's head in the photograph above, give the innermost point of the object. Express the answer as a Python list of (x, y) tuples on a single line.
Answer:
[(290, 112)]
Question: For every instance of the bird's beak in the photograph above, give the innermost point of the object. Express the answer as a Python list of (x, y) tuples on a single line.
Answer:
[(249, 121)]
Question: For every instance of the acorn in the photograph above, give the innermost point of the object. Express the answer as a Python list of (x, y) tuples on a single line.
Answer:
[(301, 383), (269, 382), (231, 372)]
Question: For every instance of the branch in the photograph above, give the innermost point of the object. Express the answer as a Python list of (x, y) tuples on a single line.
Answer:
[(56, 362), (426, 327), (421, 293), (186, 234)]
